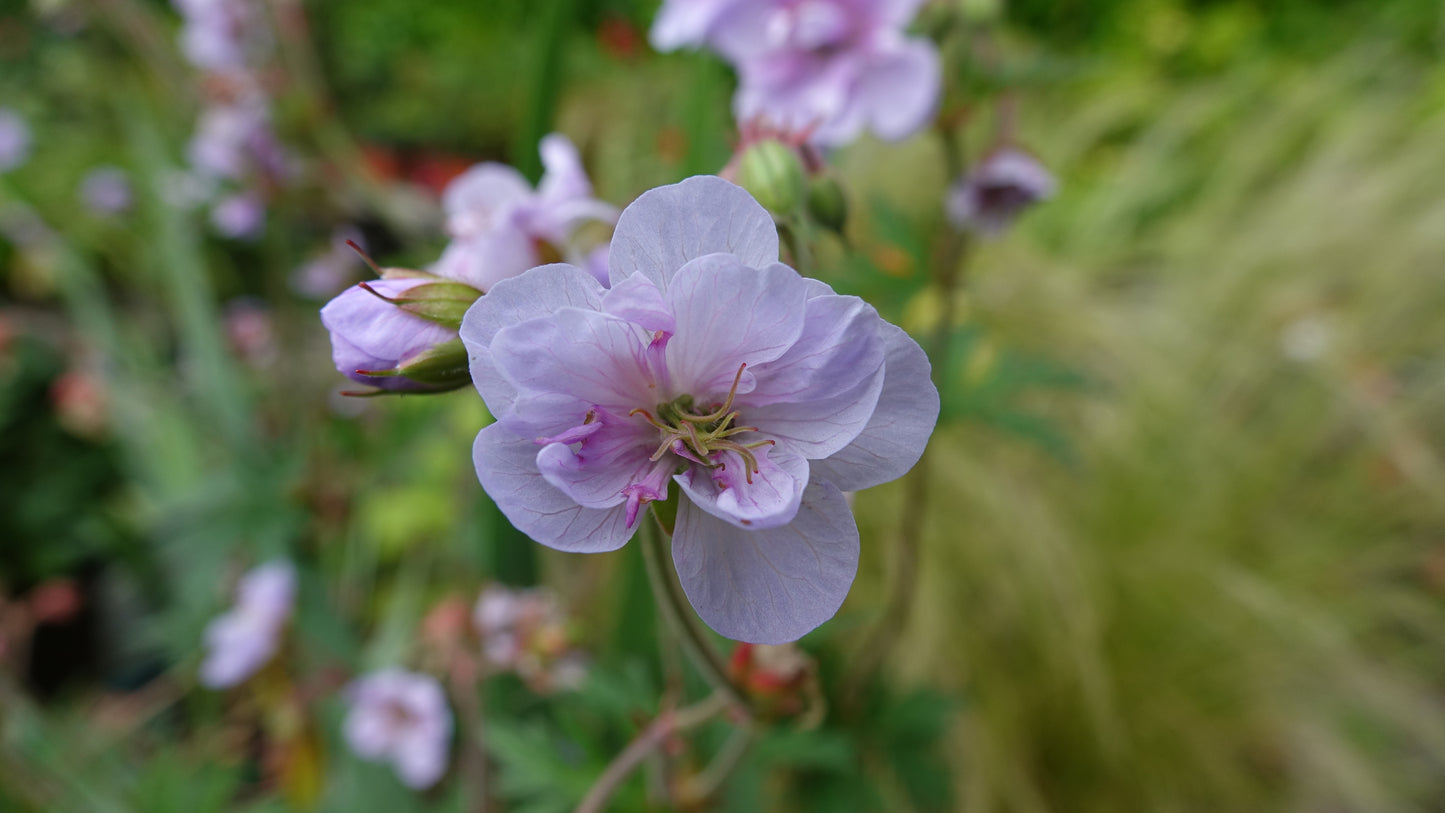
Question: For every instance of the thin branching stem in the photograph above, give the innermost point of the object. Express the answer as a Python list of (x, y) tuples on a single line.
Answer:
[(657, 732)]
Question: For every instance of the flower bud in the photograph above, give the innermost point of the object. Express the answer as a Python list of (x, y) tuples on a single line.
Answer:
[(399, 333), (771, 171), (780, 681), (1005, 183), (827, 203)]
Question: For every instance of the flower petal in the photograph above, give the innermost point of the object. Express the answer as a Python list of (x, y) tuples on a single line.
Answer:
[(539, 292), (839, 347), (770, 586), (594, 357), (485, 259), (728, 314), (902, 421), (818, 429), (507, 468), (638, 300), (682, 23), (602, 464), (472, 198), (899, 90), (767, 499), (667, 226)]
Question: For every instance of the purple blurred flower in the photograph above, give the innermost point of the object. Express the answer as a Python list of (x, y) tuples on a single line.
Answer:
[(106, 191), (500, 226), (244, 639), (239, 216), (219, 35), (832, 68), (760, 394), (401, 717), (14, 139), (1006, 182), (370, 333)]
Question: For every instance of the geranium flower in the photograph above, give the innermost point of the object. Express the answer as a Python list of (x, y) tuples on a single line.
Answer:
[(401, 717), (500, 226), (14, 139), (831, 68), (708, 366), (245, 639)]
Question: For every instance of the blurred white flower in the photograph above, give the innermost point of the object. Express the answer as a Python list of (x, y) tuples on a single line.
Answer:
[(527, 632), (1306, 338), (244, 639), (401, 717)]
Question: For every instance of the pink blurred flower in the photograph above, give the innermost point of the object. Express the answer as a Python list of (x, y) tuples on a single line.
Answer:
[(527, 632), (501, 227), (830, 68), (241, 216), (245, 639), (401, 717)]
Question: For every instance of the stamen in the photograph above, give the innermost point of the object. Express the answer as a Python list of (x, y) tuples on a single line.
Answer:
[(648, 415), (727, 405)]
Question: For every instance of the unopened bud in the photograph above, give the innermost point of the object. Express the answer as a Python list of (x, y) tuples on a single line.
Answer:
[(441, 302), (827, 203), (441, 366), (771, 171)]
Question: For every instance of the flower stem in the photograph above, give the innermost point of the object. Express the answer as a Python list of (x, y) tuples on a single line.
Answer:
[(674, 608), (656, 733), (948, 275)]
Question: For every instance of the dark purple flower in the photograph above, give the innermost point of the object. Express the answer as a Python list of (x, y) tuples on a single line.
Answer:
[(1006, 182)]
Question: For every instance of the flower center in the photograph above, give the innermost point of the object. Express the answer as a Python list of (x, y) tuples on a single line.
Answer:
[(696, 436)]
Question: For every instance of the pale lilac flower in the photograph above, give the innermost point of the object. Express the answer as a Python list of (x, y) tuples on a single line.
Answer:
[(14, 139), (831, 68), (371, 334), (220, 35), (1005, 183), (245, 639), (759, 395), (500, 226), (239, 216), (401, 717), (106, 191)]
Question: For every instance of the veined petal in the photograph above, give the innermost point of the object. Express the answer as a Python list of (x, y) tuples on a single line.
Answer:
[(507, 468), (766, 498), (728, 314), (838, 348), (595, 470), (667, 226), (591, 356), (638, 300), (817, 429), (901, 424), (539, 292), (770, 586), (482, 260)]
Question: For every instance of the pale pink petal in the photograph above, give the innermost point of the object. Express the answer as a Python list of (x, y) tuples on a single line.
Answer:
[(766, 498)]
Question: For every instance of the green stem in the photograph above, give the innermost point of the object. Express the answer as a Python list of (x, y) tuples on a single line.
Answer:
[(675, 609)]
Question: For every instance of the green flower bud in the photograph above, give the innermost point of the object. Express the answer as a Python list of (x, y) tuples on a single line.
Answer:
[(827, 203), (442, 366), (771, 171), (441, 302)]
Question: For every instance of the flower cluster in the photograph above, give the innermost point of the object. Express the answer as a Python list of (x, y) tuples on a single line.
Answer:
[(245, 639), (832, 68), (401, 717), (234, 152), (708, 370), (399, 333), (526, 632)]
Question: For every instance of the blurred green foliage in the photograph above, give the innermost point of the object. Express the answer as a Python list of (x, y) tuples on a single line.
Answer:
[(1174, 560)]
